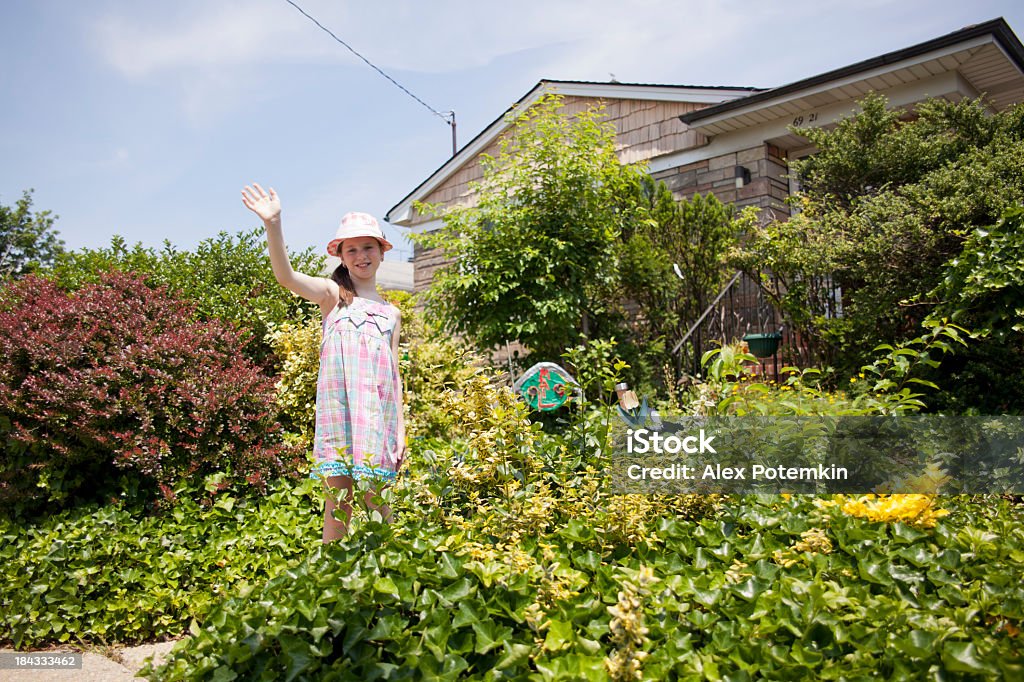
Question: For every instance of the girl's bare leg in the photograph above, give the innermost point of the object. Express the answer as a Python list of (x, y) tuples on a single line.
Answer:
[(335, 529)]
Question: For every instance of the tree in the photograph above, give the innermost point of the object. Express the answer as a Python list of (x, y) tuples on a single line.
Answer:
[(28, 242), (536, 259), (887, 201), (692, 236)]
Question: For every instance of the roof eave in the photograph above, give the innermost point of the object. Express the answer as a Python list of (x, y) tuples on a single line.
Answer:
[(997, 28)]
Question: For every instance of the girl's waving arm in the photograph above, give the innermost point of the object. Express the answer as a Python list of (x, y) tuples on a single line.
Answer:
[(268, 207)]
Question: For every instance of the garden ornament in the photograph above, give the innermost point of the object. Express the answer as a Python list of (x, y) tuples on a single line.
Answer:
[(545, 386)]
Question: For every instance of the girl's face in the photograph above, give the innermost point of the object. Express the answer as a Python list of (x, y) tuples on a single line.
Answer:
[(362, 256)]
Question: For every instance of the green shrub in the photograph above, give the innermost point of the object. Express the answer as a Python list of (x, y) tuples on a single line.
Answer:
[(983, 289), (105, 574), (890, 385), (890, 213), (690, 237)]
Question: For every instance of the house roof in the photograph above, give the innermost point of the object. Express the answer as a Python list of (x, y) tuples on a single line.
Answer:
[(988, 55), (401, 212)]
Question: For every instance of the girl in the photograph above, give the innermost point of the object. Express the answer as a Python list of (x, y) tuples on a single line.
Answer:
[(360, 428)]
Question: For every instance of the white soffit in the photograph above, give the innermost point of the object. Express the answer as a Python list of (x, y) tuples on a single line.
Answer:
[(950, 85), (980, 57)]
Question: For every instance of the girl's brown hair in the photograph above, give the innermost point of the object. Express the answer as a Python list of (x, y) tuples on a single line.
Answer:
[(346, 289)]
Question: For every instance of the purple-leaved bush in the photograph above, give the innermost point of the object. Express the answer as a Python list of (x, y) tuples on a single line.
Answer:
[(117, 388)]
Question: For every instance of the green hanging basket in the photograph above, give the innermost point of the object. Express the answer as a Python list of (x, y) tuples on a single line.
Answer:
[(763, 345)]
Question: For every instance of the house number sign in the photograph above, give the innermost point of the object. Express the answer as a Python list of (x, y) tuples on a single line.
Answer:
[(810, 118)]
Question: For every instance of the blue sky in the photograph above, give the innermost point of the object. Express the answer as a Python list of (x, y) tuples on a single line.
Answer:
[(145, 119)]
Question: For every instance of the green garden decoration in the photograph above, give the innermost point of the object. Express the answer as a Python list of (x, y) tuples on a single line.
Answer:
[(545, 386), (763, 345)]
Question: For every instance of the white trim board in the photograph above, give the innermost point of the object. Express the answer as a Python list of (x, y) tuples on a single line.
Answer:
[(727, 143)]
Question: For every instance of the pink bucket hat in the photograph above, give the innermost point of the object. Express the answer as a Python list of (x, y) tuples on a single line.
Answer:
[(357, 225)]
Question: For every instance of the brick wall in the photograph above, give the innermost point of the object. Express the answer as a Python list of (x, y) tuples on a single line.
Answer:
[(768, 186)]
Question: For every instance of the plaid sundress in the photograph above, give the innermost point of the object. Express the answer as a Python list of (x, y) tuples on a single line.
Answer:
[(358, 394)]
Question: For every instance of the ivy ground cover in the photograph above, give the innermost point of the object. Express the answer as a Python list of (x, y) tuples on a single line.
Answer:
[(766, 588), (114, 574), (509, 558)]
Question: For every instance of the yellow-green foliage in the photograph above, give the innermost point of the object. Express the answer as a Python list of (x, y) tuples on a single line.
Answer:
[(430, 363), (628, 632), (493, 453), (298, 346), (499, 474)]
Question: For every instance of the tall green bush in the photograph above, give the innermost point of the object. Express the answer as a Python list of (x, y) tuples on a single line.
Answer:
[(887, 202), (227, 277), (983, 289), (536, 259), (692, 236)]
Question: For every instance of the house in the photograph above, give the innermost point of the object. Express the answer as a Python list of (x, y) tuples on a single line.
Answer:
[(736, 142)]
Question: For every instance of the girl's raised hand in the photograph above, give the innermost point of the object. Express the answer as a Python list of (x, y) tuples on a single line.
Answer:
[(266, 206)]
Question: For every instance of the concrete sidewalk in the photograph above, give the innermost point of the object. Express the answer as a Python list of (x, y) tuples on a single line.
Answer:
[(117, 664)]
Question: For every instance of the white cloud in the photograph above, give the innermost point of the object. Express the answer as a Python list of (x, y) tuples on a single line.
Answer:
[(213, 52), (215, 35), (642, 36), (416, 36), (118, 158)]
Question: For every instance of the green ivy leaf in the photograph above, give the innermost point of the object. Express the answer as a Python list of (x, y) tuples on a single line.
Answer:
[(963, 657)]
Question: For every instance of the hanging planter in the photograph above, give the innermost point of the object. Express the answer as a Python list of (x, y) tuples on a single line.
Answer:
[(763, 345)]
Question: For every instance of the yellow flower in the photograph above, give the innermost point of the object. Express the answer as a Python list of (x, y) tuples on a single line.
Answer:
[(912, 509)]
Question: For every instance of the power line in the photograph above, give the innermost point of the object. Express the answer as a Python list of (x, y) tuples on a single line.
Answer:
[(448, 116)]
